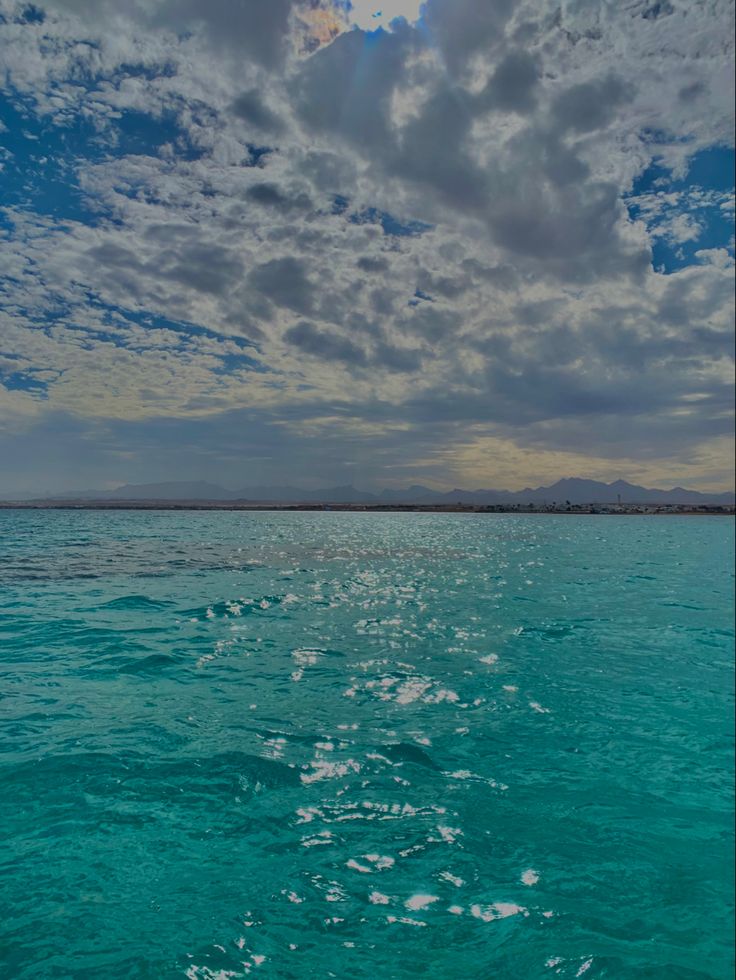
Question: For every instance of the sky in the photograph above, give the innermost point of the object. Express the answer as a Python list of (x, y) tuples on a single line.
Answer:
[(309, 242)]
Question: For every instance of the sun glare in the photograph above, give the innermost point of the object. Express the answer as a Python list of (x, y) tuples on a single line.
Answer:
[(372, 14)]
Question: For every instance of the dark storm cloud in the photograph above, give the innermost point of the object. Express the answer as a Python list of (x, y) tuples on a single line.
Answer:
[(374, 264), (574, 230), (255, 29), (433, 150), (590, 105), (401, 359), (270, 195), (207, 268), (567, 218), (512, 86), (329, 345), (285, 282), (463, 28), (267, 194), (688, 93), (112, 254), (327, 96), (503, 277), (450, 287), (251, 107), (325, 344), (433, 324)]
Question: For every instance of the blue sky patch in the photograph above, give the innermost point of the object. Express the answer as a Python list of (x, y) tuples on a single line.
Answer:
[(39, 162), (116, 315), (340, 204), (419, 296), (25, 381), (256, 154), (389, 224), (28, 15), (140, 133), (40, 156), (688, 216)]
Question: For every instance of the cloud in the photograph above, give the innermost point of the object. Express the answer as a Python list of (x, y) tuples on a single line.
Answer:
[(589, 106), (512, 86), (285, 282), (250, 107), (325, 343), (254, 29), (252, 212)]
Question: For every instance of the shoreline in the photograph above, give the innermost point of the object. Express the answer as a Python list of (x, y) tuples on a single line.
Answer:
[(615, 510)]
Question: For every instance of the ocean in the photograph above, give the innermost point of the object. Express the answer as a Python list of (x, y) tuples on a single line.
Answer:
[(312, 745)]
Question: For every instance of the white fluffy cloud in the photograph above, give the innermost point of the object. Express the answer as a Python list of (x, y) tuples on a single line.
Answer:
[(419, 234)]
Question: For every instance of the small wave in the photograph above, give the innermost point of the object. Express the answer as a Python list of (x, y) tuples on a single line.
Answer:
[(406, 752), (153, 664), (135, 603)]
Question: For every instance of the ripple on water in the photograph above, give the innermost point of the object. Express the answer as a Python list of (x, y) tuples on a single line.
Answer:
[(312, 737)]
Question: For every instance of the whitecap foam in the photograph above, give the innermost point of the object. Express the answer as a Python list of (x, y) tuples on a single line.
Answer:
[(381, 861), (322, 769), (378, 898), (499, 910), (420, 901), (405, 920), (443, 694), (406, 691), (274, 747), (306, 657), (536, 706), (449, 834), (356, 866), (453, 879), (324, 837), (467, 775), (303, 659), (411, 691)]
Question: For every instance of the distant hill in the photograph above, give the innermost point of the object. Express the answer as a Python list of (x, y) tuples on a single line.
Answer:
[(176, 490), (574, 490), (293, 495), (197, 490)]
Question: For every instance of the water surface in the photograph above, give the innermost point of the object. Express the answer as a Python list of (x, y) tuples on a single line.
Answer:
[(307, 745)]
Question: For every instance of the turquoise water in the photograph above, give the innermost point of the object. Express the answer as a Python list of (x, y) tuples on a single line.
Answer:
[(365, 746)]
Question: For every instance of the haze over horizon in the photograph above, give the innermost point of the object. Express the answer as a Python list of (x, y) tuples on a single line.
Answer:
[(568, 490), (321, 243)]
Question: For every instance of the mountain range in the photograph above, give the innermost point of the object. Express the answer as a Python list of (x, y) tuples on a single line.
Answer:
[(572, 490)]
